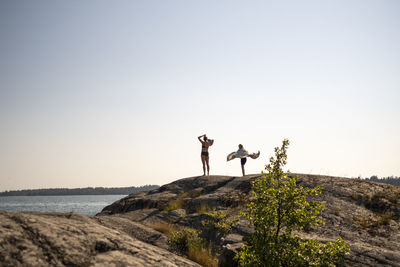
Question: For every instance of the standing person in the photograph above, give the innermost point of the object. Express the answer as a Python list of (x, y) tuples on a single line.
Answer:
[(242, 154), (205, 144)]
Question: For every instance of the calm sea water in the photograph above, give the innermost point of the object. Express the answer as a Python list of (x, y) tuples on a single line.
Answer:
[(83, 204)]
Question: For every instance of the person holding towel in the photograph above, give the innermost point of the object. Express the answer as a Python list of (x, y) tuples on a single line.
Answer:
[(242, 154)]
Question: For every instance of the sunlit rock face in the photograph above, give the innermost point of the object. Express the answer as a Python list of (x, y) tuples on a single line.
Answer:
[(127, 232), (56, 239), (365, 214)]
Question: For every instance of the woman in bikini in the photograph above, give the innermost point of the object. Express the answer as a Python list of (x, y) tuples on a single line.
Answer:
[(205, 144)]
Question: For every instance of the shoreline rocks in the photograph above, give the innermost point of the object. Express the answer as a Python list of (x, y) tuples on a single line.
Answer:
[(365, 214), (69, 239)]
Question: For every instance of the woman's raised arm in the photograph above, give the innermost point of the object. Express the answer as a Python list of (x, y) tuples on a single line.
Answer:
[(201, 141)]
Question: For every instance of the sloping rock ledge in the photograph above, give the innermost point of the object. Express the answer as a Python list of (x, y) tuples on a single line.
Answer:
[(69, 239)]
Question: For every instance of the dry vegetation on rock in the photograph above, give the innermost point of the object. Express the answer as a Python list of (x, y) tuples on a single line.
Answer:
[(365, 214), (134, 231)]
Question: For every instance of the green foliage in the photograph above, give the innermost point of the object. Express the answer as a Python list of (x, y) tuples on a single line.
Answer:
[(386, 180), (279, 208), (219, 221), (187, 241), (184, 239)]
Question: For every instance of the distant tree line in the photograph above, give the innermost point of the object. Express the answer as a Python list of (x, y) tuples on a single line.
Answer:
[(393, 180), (79, 191)]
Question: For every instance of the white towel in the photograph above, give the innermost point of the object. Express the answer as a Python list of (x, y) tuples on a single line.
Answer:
[(241, 153)]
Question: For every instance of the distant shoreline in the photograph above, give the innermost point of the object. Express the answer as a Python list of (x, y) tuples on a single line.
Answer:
[(78, 191)]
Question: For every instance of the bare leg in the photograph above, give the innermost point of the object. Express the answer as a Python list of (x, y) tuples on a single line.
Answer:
[(203, 160), (243, 169), (208, 166)]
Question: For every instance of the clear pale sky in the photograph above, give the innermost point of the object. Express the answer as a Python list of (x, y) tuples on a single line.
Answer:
[(115, 93)]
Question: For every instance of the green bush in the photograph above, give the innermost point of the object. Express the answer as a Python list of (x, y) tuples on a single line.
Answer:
[(187, 241), (219, 221), (185, 238), (279, 208)]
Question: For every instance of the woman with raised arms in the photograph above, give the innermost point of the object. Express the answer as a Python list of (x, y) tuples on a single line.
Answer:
[(205, 144)]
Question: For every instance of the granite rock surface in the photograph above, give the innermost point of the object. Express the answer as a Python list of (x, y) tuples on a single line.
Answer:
[(69, 239), (365, 214)]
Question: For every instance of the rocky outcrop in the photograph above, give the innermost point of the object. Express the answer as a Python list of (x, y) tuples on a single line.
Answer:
[(365, 214), (129, 232), (134, 229), (193, 192), (57, 239)]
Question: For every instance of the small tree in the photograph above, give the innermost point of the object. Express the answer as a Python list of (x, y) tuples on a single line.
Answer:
[(279, 208), (219, 222)]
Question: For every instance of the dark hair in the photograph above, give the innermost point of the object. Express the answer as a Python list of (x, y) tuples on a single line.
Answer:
[(240, 146)]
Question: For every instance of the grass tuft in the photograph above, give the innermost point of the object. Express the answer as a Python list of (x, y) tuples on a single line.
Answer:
[(176, 203), (187, 241), (163, 227), (203, 256), (373, 223), (204, 208)]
